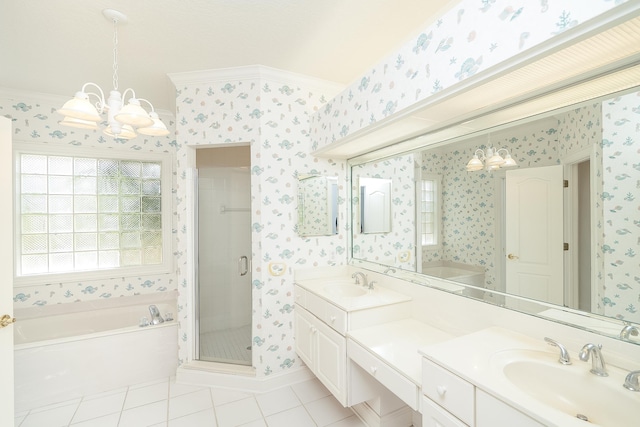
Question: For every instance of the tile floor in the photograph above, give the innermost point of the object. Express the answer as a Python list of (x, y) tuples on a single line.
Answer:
[(167, 404)]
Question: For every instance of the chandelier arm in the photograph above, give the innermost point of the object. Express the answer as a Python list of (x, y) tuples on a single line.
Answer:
[(101, 105), (502, 149), (482, 155), (133, 94)]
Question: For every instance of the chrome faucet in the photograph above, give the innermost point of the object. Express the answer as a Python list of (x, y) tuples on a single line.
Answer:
[(564, 358), (155, 315), (627, 330), (359, 274), (631, 381), (598, 367)]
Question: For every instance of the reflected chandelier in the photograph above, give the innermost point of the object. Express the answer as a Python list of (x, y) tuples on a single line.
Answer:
[(490, 160), (122, 119)]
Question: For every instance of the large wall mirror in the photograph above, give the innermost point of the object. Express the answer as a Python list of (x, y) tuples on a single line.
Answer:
[(560, 226)]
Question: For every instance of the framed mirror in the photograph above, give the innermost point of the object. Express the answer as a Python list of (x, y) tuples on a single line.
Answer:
[(317, 205), (561, 227)]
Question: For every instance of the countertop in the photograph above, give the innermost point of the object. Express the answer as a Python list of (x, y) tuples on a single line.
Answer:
[(376, 297), (397, 343)]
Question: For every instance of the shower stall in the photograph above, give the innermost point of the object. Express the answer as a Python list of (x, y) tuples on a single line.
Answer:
[(223, 242)]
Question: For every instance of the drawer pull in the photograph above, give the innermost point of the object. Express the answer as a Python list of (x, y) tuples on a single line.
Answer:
[(441, 390), (333, 319), (374, 369)]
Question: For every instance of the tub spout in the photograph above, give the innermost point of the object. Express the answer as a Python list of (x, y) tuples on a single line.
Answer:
[(155, 315)]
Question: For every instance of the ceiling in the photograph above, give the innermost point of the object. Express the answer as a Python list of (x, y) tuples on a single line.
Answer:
[(55, 46)]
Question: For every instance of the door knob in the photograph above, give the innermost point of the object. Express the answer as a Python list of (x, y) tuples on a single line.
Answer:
[(6, 320), (512, 256)]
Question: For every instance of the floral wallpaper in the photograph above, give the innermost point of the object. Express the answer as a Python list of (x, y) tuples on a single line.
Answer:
[(470, 38), (621, 206), (270, 110), (396, 248), (35, 122)]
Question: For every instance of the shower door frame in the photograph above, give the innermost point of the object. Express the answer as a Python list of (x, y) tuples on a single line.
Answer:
[(193, 327)]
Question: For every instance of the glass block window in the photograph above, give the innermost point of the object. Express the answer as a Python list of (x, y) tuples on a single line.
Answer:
[(83, 214), (428, 211)]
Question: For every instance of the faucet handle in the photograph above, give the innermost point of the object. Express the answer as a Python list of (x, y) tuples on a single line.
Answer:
[(631, 381), (564, 358)]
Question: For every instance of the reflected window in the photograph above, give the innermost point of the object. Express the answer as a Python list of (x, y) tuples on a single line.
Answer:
[(429, 207)]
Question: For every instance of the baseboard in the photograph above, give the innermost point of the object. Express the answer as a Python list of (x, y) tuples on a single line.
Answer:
[(238, 378), (403, 417)]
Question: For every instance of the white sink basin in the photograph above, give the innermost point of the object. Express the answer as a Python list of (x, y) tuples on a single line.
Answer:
[(571, 389), (345, 290)]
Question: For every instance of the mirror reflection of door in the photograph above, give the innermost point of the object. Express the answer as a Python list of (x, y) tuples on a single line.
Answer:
[(534, 233), (375, 205)]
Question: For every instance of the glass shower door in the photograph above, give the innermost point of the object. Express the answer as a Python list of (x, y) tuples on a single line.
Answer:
[(224, 271)]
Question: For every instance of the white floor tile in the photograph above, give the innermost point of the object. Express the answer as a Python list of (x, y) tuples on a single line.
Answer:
[(238, 412), (19, 418), (104, 394), (222, 397), (57, 405), (146, 415), (105, 421), (148, 383), (257, 423), (327, 410), (277, 401), (147, 394), (352, 421), (53, 417), (190, 403), (179, 389), (205, 418), (100, 406), (297, 416), (311, 390)]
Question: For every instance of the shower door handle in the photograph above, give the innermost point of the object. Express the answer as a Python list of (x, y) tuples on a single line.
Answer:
[(243, 265)]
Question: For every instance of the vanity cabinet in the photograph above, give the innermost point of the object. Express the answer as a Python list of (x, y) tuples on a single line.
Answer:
[(450, 401), (320, 329)]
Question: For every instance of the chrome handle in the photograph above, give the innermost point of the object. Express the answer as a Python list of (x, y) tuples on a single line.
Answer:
[(243, 265), (6, 320), (512, 256)]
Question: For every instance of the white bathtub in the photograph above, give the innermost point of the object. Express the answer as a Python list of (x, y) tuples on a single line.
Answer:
[(469, 275), (97, 347)]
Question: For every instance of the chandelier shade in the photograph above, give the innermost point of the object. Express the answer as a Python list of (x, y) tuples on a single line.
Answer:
[(79, 107), (122, 119)]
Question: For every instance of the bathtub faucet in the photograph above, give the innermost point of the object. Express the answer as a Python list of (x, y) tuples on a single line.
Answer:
[(155, 315)]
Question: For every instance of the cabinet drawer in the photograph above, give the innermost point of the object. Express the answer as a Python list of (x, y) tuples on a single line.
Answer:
[(434, 416), (300, 296), (449, 391), (387, 376), (333, 316), (336, 318)]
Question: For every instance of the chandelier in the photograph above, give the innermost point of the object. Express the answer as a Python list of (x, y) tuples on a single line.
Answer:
[(490, 159), (123, 120)]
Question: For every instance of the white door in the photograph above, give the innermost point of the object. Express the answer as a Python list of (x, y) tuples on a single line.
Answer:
[(534, 237), (6, 274)]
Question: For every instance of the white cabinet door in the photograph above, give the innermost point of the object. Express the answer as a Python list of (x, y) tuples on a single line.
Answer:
[(323, 350), (6, 271), (304, 334), (491, 412), (434, 416), (331, 360)]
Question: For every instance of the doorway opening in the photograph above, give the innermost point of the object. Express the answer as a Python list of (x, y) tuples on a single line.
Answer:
[(223, 255)]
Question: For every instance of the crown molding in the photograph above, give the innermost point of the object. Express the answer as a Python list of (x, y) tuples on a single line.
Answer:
[(255, 72)]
